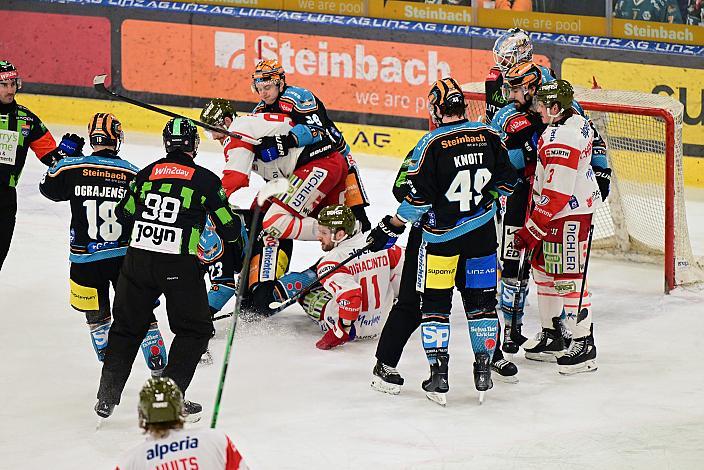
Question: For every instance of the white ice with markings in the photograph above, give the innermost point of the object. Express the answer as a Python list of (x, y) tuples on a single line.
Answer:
[(288, 405)]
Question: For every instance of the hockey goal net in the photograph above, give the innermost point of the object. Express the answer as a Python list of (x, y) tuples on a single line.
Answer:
[(644, 219)]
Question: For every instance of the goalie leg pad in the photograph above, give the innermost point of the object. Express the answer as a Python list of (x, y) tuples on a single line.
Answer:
[(154, 349)]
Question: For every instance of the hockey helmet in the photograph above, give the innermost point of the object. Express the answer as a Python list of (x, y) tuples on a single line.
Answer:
[(160, 401), (181, 134), (105, 129), (512, 47), (9, 72), (556, 91), (336, 218), (522, 75), (447, 95), (268, 70), (215, 112)]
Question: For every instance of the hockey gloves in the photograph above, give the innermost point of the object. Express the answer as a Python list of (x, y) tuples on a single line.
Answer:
[(272, 147), (337, 335), (528, 236), (71, 145), (603, 179), (384, 235)]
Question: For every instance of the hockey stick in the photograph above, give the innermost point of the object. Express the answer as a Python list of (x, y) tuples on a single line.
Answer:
[(581, 316), (279, 306), (272, 188), (514, 335), (99, 85)]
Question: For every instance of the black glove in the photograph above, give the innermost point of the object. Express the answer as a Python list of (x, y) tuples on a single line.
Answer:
[(603, 179), (71, 145), (272, 147), (384, 235)]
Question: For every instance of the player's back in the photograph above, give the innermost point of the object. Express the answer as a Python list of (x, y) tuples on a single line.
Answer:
[(239, 155), (377, 273), (185, 448), (461, 158), (93, 184)]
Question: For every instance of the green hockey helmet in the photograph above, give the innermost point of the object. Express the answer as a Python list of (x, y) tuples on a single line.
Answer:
[(160, 401), (338, 217), (9, 72), (181, 134), (215, 112), (557, 91)]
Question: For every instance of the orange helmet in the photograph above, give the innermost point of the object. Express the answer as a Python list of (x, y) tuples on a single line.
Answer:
[(267, 70), (524, 74), (105, 129), (447, 95)]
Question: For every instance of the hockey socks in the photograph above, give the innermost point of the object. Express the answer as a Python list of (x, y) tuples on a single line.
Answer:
[(154, 350), (218, 295), (435, 334), (99, 337)]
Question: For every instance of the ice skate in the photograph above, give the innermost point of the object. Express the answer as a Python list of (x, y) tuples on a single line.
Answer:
[(510, 346), (482, 374), (191, 411), (206, 359), (103, 409), (386, 379), (505, 371), (436, 387), (580, 357), (547, 346)]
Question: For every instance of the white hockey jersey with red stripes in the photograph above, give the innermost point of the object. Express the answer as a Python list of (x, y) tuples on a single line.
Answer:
[(239, 155), (185, 449), (564, 180), (376, 276)]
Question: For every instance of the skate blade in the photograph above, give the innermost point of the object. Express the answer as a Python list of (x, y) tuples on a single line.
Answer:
[(99, 424), (482, 395), (508, 379), (587, 366), (542, 356), (436, 397), (384, 387), (193, 418)]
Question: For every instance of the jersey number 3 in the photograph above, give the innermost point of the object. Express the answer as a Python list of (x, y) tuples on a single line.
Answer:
[(467, 190)]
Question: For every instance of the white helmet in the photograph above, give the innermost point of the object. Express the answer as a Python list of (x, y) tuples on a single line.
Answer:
[(512, 47)]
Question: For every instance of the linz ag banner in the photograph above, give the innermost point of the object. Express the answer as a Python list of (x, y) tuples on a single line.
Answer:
[(347, 74)]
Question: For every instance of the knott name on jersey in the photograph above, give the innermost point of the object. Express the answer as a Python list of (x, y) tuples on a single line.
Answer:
[(171, 170), (463, 139), (469, 159)]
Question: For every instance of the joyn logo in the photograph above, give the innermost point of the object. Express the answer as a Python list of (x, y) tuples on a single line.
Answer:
[(229, 50), (309, 60)]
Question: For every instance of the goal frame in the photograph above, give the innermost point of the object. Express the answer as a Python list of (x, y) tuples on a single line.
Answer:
[(670, 142)]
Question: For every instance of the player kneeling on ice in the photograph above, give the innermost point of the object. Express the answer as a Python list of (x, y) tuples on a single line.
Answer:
[(94, 184), (565, 196), (168, 445), (457, 172), (354, 300)]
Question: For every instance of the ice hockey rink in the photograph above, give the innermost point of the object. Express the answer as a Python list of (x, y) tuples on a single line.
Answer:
[(288, 405)]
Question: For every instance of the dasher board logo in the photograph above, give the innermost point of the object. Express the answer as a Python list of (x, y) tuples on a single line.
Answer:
[(154, 237), (229, 50)]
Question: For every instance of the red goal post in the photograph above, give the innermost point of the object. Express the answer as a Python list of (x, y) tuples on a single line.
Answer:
[(644, 219)]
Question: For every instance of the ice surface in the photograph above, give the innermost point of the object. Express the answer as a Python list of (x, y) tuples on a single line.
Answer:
[(288, 405)]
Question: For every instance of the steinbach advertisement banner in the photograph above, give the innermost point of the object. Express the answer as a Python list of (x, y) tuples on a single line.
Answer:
[(46, 61), (683, 84), (355, 75)]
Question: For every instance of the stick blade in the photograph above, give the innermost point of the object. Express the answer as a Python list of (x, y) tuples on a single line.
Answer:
[(275, 305), (272, 188), (99, 81)]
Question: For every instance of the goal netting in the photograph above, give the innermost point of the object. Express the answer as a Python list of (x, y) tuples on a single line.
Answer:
[(644, 219)]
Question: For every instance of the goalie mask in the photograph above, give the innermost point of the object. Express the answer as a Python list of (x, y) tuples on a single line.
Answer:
[(446, 99), (512, 47), (181, 134), (9, 72), (105, 129), (160, 401)]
